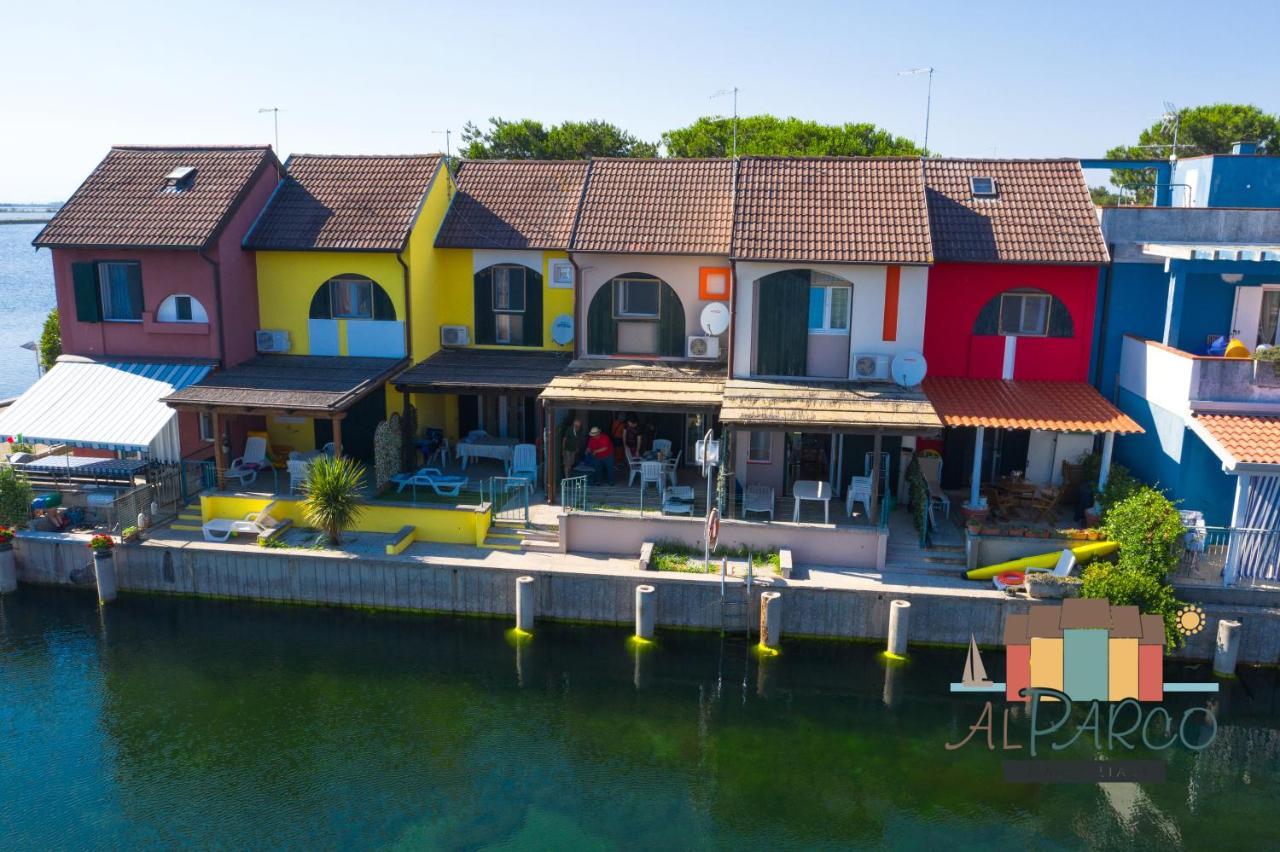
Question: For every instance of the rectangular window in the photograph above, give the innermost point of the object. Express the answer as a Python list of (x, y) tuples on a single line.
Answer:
[(121, 288), (635, 298), (1269, 324), (760, 450), (182, 308), (637, 338), (1024, 314), (206, 427), (351, 299), (509, 329), (828, 309), (508, 289)]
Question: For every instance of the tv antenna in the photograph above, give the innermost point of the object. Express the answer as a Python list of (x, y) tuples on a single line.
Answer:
[(734, 92), (448, 135), (275, 123), (928, 102)]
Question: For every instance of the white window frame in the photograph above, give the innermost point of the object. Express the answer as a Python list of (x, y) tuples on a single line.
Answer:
[(751, 448), (502, 327), (1275, 338), (619, 288), (826, 327), (333, 307), (1022, 314), (524, 292), (104, 292), (560, 274), (976, 193), (205, 420)]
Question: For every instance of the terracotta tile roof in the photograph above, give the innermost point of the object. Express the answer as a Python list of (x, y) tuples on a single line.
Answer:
[(1056, 406), (838, 209), (657, 207), (514, 204), (126, 202), (1042, 213), (1247, 439), (341, 202)]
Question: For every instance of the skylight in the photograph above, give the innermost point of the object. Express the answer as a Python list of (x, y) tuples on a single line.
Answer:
[(983, 187), (180, 178)]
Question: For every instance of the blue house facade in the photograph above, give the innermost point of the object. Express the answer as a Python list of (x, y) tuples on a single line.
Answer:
[(1185, 278)]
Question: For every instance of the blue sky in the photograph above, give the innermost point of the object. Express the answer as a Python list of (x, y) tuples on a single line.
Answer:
[(1014, 79)]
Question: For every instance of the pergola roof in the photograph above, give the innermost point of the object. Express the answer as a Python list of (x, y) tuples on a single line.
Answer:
[(613, 383), (827, 405), (484, 369), (324, 385)]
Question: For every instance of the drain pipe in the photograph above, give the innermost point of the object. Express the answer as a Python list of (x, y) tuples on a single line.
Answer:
[(217, 299), (408, 307)]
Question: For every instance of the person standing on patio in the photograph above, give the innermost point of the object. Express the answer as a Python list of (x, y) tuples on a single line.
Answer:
[(570, 445), (600, 454), (631, 437)]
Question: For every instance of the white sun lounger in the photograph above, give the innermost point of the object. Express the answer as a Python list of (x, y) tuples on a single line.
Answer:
[(254, 523)]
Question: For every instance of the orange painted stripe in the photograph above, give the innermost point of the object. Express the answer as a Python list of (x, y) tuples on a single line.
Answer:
[(891, 283)]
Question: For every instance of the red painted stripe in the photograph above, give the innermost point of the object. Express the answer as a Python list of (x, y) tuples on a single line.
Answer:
[(892, 281)]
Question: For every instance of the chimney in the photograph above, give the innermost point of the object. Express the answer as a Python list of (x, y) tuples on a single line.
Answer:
[(1244, 149)]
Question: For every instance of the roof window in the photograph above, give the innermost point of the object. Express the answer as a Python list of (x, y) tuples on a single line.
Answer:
[(180, 179), (983, 187)]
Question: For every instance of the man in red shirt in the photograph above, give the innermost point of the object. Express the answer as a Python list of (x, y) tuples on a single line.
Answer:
[(600, 454)]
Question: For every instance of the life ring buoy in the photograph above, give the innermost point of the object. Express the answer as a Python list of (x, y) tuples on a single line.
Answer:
[(713, 528), (1012, 578)]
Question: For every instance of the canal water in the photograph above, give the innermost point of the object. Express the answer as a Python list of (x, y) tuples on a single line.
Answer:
[(163, 722), (26, 297)]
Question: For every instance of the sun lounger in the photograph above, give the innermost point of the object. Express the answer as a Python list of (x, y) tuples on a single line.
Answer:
[(430, 477), (254, 523)]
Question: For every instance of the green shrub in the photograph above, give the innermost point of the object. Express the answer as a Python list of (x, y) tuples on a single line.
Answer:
[(1126, 586), (50, 340), (1271, 353), (15, 498), (1149, 531), (333, 496)]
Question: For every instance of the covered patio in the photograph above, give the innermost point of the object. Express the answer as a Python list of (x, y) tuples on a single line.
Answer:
[(322, 391)]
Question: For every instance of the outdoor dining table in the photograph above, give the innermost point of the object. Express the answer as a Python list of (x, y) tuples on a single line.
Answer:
[(811, 489), (500, 449)]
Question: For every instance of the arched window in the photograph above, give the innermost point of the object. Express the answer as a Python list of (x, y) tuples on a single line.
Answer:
[(352, 297), (636, 314), (1025, 312), (508, 301), (181, 308)]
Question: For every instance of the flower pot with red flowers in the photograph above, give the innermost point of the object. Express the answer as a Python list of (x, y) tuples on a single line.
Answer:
[(104, 569), (102, 545), (8, 566)]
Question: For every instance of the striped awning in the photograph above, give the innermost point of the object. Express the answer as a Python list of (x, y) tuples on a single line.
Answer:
[(104, 405)]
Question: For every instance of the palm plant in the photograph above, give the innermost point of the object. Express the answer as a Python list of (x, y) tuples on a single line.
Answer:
[(333, 495)]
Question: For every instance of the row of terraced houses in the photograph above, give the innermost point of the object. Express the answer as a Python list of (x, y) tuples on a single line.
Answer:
[(828, 318)]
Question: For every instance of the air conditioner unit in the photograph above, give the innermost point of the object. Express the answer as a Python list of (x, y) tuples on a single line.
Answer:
[(454, 335), (703, 347), (870, 368), (271, 340)]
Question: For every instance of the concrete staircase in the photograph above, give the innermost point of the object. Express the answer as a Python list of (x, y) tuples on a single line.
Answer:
[(523, 538), (906, 554), (188, 519)]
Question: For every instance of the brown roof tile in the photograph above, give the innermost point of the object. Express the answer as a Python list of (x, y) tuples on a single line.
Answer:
[(1042, 213), (1248, 439), (514, 204), (1056, 406), (126, 202), (657, 207), (837, 209), (345, 203)]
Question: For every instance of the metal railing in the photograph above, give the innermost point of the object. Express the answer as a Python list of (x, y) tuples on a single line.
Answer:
[(573, 493), (1238, 556), (509, 498)]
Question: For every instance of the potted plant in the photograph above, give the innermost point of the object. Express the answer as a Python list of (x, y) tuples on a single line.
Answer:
[(8, 567), (102, 545), (1045, 586), (130, 535)]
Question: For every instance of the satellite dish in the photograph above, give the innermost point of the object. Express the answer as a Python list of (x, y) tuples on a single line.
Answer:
[(562, 330), (908, 369), (715, 318)]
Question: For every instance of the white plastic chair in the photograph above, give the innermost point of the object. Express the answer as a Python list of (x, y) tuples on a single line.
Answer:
[(246, 467), (672, 466), (662, 445), (859, 492), (651, 472), (299, 470), (758, 498), (633, 466), (931, 470), (524, 462)]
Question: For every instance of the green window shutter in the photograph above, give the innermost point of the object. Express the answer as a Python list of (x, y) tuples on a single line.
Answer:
[(782, 330), (321, 305), (671, 326), (602, 329), (383, 308), (84, 280), (532, 308), (485, 332), (1060, 324)]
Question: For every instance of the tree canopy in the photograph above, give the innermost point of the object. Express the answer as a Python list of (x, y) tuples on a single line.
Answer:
[(529, 139), (1209, 129), (768, 135)]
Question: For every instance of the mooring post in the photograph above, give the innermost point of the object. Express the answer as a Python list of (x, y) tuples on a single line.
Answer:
[(8, 568), (645, 611), (899, 623), (1228, 648), (524, 604), (104, 571), (771, 619)]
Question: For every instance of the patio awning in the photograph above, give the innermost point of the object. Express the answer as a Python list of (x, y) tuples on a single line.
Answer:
[(1242, 442), (305, 384), (838, 406), (493, 370), (1052, 406), (651, 385), (104, 405)]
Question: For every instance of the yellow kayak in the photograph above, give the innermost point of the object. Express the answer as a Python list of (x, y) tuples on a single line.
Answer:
[(1045, 561)]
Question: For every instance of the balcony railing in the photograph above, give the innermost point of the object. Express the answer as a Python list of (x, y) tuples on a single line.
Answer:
[(1233, 556)]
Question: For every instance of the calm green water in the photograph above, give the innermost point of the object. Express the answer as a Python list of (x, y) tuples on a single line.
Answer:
[(169, 722)]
